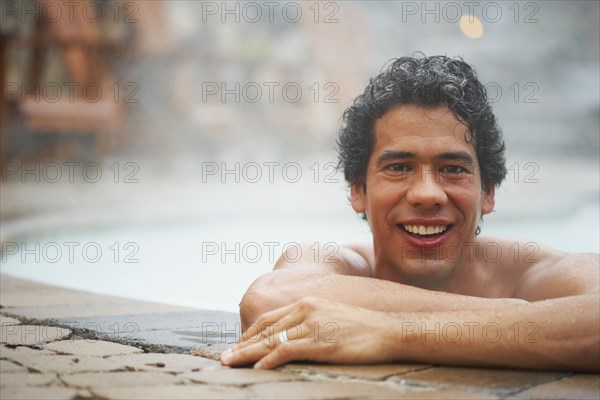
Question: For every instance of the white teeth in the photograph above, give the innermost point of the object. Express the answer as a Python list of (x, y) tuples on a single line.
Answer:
[(425, 230)]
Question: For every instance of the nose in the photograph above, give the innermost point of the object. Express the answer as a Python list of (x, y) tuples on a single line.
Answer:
[(425, 191)]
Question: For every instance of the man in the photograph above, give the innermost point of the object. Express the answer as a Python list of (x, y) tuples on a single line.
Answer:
[(423, 155)]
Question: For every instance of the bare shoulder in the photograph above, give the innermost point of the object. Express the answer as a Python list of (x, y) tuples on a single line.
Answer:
[(544, 273), (360, 258), (353, 259), (517, 255)]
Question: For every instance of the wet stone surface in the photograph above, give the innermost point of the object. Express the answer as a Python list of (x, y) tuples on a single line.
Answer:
[(31, 335), (165, 355), (205, 331)]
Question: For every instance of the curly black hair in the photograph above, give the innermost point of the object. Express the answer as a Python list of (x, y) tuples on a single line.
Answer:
[(429, 82)]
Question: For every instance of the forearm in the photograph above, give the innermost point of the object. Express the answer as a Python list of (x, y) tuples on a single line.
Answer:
[(556, 334), (282, 287)]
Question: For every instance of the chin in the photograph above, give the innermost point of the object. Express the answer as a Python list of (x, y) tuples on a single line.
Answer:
[(423, 271)]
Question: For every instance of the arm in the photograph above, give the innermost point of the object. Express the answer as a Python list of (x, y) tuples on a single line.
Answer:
[(559, 329), (524, 337), (345, 276)]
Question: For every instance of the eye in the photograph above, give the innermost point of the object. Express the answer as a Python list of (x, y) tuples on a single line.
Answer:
[(398, 168), (454, 170)]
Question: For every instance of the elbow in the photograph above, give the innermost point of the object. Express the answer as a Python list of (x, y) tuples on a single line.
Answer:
[(261, 297)]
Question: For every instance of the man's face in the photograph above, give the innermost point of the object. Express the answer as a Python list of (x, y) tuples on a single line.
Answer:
[(423, 196)]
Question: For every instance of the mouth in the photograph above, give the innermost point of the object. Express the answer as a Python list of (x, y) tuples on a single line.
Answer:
[(426, 236)]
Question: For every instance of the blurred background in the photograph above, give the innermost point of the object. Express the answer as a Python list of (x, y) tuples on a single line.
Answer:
[(171, 151)]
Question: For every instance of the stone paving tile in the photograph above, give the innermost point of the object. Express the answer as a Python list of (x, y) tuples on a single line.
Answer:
[(97, 348), (164, 362), (31, 334), (177, 375), (368, 372), (8, 321), (502, 382), (448, 395), (240, 376), (324, 390), (27, 379), (8, 366), (198, 391), (121, 379), (12, 352), (212, 351), (68, 364), (35, 393), (581, 386)]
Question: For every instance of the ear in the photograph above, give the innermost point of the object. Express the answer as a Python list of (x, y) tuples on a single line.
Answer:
[(358, 197), (488, 201)]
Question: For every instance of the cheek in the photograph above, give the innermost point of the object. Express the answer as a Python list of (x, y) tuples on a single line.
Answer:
[(386, 198), (465, 200)]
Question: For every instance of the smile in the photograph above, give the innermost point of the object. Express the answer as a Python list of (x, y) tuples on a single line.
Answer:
[(423, 230)]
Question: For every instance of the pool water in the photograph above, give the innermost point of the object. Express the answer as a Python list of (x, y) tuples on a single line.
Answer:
[(210, 265)]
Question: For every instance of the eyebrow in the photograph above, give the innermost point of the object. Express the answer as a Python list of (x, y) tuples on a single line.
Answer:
[(390, 155), (456, 155)]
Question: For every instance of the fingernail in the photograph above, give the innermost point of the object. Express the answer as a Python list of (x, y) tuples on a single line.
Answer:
[(258, 365), (226, 356)]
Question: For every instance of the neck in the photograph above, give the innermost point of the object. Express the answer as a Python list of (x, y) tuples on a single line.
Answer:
[(459, 278)]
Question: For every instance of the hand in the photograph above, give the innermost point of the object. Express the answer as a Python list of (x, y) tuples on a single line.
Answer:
[(316, 330)]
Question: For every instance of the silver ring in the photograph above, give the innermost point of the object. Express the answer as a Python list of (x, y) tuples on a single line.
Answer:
[(283, 336)]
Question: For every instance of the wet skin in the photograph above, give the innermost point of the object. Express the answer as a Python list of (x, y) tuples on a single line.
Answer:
[(422, 173), (423, 198)]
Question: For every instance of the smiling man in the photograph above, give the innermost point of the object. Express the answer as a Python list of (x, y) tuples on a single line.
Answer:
[(423, 155)]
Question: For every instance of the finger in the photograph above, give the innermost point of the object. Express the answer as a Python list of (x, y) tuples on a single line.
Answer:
[(283, 353), (249, 354), (264, 321), (289, 323), (264, 343)]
